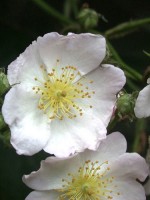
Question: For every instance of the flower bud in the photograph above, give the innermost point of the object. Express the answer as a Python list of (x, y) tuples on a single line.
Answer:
[(125, 106), (4, 85), (88, 18)]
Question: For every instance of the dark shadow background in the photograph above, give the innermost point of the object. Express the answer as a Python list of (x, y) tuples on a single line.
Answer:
[(21, 22)]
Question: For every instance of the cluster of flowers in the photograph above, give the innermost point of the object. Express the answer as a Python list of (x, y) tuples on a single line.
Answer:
[(62, 99)]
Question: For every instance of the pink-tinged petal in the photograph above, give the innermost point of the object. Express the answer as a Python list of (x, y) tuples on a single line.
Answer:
[(127, 188), (75, 135), (54, 169), (107, 82), (30, 129), (148, 81), (43, 195), (129, 165), (110, 148), (142, 108), (118, 179), (51, 173), (83, 51), (26, 67)]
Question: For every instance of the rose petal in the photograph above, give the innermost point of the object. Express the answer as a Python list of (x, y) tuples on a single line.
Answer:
[(70, 136), (40, 195), (30, 129), (142, 108), (127, 188), (84, 51), (107, 82), (129, 165), (110, 148), (51, 173)]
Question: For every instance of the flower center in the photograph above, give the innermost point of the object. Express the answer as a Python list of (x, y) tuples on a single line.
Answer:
[(62, 92), (89, 182)]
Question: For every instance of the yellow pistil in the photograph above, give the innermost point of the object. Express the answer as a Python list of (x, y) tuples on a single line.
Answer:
[(89, 183), (61, 92)]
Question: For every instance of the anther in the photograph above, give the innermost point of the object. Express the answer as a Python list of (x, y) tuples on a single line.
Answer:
[(59, 94)]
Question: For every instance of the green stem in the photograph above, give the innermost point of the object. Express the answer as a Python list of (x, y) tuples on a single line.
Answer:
[(50, 10), (113, 123), (133, 73), (148, 54), (70, 7), (140, 126), (130, 72), (125, 27), (132, 85)]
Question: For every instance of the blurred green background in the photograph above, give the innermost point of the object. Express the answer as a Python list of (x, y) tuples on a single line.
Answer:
[(22, 21)]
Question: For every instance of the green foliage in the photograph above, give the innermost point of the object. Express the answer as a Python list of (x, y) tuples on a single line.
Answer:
[(4, 85)]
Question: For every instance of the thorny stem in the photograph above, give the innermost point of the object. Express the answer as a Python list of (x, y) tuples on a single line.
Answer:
[(133, 73), (126, 27), (140, 126)]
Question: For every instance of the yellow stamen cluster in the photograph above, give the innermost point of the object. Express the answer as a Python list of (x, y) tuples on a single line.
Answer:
[(89, 183), (61, 92)]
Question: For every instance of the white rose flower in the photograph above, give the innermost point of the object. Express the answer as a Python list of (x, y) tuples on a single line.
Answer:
[(142, 105), (108, 173), (61, 100)]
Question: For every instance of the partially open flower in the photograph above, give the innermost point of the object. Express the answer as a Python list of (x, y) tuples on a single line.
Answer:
[(142, 105), (108, 173), (61, 100)]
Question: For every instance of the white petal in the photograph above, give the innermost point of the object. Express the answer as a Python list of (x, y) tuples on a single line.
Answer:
[(43, 195), (107, 82), (29, 127), (148, 81), (129, 165), (127, 188), (26, 67), (110, 148), (142, 105), (51, 173), (84, 51), (54, 169), (74, 135)]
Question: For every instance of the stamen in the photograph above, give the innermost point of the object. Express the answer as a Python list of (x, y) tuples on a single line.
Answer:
[(89, 183), (60, 92)]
